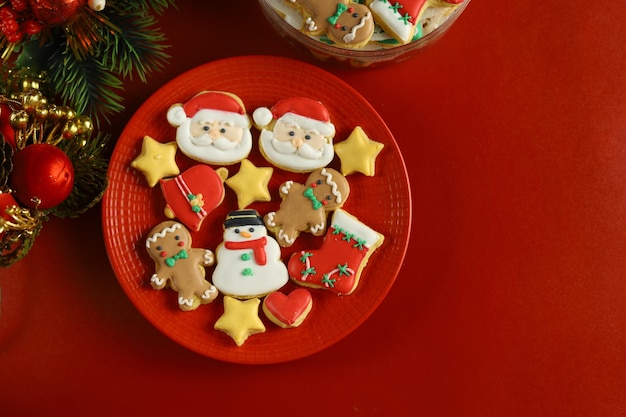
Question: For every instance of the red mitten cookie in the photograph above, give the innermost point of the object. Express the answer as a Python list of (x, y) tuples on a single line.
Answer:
[(192, 195)]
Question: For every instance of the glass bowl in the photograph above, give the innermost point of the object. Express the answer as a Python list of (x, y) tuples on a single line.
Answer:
[(435, 20)]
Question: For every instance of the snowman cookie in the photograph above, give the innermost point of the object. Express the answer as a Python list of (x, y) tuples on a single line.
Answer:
[(248, 260), (304, 207), (180, 266)]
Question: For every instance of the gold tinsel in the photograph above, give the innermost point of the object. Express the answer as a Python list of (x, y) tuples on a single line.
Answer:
[(35, 120)]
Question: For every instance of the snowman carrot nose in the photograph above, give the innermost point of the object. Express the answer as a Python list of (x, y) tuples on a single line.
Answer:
[(245, 234)]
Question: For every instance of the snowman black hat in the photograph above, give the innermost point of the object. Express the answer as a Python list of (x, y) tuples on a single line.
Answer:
[(238, 218)]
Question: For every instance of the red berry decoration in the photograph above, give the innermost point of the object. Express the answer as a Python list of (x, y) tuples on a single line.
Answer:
[(42, 176), (19, 5), (55, 12)]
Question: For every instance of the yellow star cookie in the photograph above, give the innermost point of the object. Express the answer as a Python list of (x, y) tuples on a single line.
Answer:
[(358, 153), (240, 319), (250, 183), (156, 160)]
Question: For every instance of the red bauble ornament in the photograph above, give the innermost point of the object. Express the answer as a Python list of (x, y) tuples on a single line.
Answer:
[(55, 12), (42, 176)]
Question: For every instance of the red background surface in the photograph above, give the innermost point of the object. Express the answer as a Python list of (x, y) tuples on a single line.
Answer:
[(511, 299)]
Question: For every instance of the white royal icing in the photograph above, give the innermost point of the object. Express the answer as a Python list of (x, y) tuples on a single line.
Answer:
[(162, 234), (211, 154), (228, 275), (293, 162), (349, 37), (334, 189), (353, 225), (393, 19), (158, 281)]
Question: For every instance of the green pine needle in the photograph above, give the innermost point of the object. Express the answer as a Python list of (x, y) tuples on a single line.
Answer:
[(137, 48), (86, 85)]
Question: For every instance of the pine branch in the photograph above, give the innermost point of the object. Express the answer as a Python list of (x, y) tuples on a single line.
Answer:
[(138, 48), (85, 85), (142, 6)]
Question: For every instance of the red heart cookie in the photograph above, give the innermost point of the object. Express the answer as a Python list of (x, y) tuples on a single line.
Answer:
[(290, 310)]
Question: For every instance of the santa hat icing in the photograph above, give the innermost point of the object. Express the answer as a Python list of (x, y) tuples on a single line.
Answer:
[(210, 105), (302, 111)]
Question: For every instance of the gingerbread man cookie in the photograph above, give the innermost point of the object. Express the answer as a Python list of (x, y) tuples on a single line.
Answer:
[(349, 24), (304, 207), (179, 265)]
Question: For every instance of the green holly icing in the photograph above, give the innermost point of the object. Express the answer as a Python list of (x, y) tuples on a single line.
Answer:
[(359, 243), (247, 272), (245, 257), (347, 236), (329, 282), (343, 270), (309, 271), (305, 255), (396, 7)]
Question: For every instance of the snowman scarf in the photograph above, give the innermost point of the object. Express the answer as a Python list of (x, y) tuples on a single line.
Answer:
[(257, 246)]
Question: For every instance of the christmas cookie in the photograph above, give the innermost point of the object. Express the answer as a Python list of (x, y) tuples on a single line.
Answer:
[(179, 265), (347, 23), (250, 184), (248, 260), (240, 319), (296, 134), (288, 311), (156, 160), (358, 153), (398, 18), (402, 19), (192, 195), (304, 207), (338, 264), (212, 127)]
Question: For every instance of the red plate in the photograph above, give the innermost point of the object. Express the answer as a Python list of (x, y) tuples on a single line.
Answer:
[(131, 209)]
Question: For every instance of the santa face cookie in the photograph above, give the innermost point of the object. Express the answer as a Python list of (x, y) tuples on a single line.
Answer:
[(248, 260), (212, 127), (304, 207), (296, 134), (180, 266)]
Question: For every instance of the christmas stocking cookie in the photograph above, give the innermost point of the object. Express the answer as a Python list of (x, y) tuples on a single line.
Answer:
[(337, 265)]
